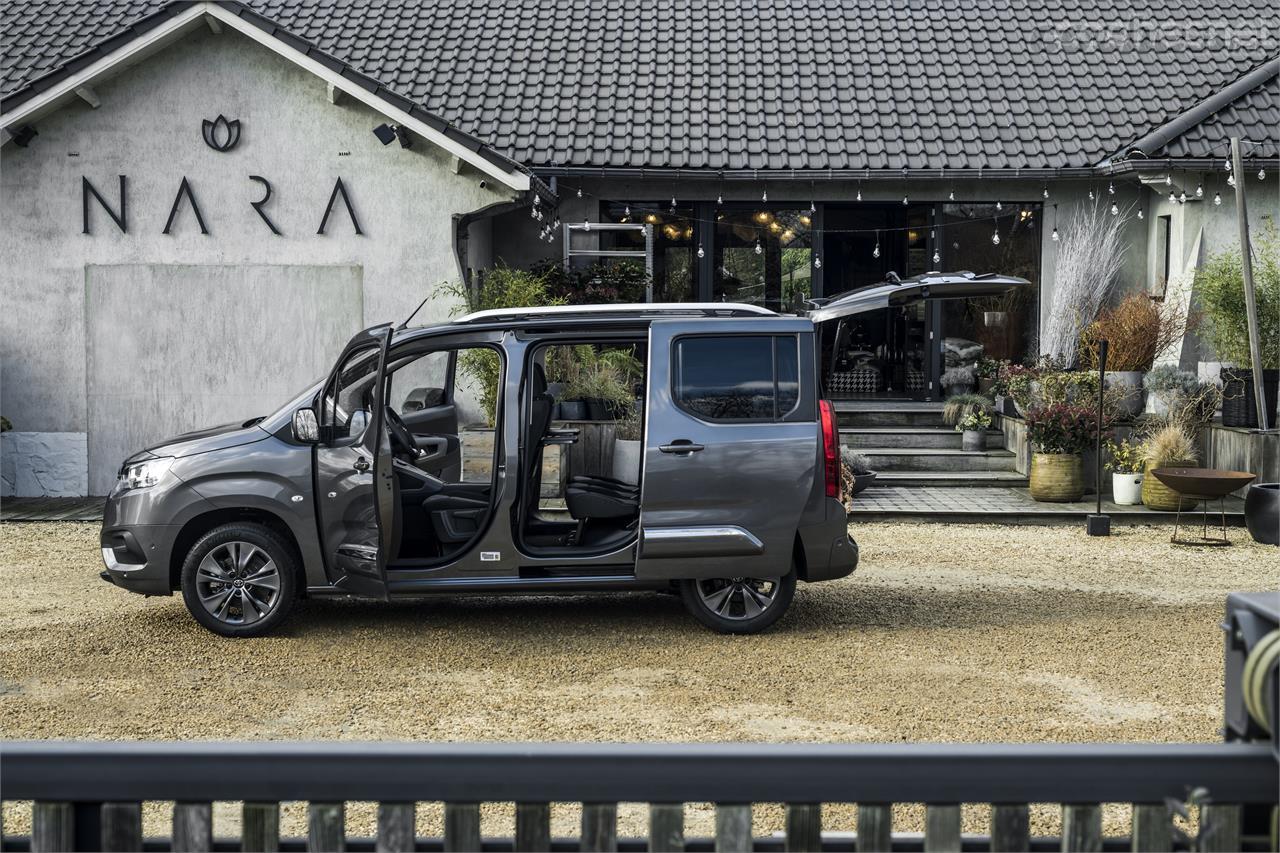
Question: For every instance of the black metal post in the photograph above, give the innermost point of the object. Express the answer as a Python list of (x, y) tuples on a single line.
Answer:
[(1098, 524)]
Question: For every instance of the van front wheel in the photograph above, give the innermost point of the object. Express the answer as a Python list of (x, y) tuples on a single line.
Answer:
[(239, 580), (738, 605)]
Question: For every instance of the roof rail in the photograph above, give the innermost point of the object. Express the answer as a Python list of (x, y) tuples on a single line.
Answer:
[(638, 309)]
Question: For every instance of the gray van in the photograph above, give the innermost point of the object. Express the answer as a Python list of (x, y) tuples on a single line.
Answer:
[(364, 485)]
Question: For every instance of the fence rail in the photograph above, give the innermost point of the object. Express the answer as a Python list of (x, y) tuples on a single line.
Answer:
[(88, 795)]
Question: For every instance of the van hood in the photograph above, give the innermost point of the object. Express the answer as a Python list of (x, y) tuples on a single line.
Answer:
[(203, 440)]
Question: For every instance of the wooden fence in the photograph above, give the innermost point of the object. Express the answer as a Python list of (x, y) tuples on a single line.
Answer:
[(87, 796)]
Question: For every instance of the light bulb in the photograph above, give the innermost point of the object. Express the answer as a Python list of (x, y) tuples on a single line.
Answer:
[(1115, 209), (1173, 199), (586, 225), (859, 197), (626, 211), (701, 253), (1228, 162), (937, 258), (1044, 193), (673, 204), (1111, 188), (533, 213), (904, 200), (1168, 180), (1182, 197), (995, 238), (1231, 180), (719, 198), (759, 248), (764, 196), (1140, 215), (1055, 234), (579, 192), (951, 196), (999, 206), (875, 253), (1217, 199), (813, 208), (817, 262), (1199, 190), (556, 224), (1262, 174), (537, 199), (1090, 193)]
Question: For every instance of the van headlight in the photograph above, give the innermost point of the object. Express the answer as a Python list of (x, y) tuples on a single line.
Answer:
[(144, 475)]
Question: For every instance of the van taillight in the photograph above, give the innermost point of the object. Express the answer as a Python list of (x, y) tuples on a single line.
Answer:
[(830, 447)]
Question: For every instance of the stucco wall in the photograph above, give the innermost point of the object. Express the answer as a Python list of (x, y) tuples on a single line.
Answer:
[(148, 127)]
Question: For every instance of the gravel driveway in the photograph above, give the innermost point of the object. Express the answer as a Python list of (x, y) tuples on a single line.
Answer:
[(945, 633)]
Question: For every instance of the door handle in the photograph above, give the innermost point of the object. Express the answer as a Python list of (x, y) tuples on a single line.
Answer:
[(361, 464), (681, 446)]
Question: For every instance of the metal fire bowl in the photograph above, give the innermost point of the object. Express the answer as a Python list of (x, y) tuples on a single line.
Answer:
[(1203, 482)]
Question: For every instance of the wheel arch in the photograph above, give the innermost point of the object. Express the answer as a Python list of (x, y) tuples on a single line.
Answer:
[(201, 524)]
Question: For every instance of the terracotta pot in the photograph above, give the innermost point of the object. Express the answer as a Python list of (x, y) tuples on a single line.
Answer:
[(1156, 495), (1262, 512), (1057, 477)]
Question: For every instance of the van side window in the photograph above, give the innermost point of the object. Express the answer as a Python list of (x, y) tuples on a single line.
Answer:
[(737, 377)]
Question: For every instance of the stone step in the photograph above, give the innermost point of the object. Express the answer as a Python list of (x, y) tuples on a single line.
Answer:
[(935, 459), (920, 437), (949, 478), (898, 416)]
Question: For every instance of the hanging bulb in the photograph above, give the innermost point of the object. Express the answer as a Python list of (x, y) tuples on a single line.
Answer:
[(951, 196), (875, 253), (719, 198), (1182, 197), (1055, 234), (764, 196), (995, 237), (1168, 180), (673, 204), (1090, 193), (999, 206), (1173, 199), (813, 208), (1262, 174), (556, 225), (626, 211), (904, 200), (586, 225), (1045, 192), (759, 248), (1231, 180), (1140, 214), (937, 258), (701, 253), (1111, 188), (533, 213), (859, 196), (1217, 199), (1115, 209), (1228, 162), (1199, 190), (817, 262), (579, 192)]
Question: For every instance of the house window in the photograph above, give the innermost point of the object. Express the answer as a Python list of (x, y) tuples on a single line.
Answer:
[(738, 377), (673, 244), (763, 256), (1164, 228)]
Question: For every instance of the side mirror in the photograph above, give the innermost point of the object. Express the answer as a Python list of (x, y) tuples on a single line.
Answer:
[(305, 427)]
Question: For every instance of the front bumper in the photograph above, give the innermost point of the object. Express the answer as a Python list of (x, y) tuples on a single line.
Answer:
[(135, 553)]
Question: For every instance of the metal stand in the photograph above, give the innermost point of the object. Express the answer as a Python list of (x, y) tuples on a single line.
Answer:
[(1205, 539)]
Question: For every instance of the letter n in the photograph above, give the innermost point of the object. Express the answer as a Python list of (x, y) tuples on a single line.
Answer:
[(121, 219)]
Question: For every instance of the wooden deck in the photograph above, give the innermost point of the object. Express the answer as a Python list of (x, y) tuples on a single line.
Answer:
[(51, 509)]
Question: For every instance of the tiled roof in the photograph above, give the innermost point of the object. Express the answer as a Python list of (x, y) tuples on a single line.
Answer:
[(1257, 107), (767, 84)]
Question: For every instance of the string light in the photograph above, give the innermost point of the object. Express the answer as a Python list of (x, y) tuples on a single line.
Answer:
[(1217, 199), (951, 196), (759, 248), (995, 236), (817, 262), (586, 225), (859, 196), (1168, 180), (937, 258), (875, 253), (1140, 213), (813, 208), (1090, 193), (1044, 193), (719, 198), (904, 200), (701, 254), (626, 211), (1262, 174), (579, 192), (1111, 188), (1055, 223), (673, 204), (764, 196), (1115, 209), (1199, 190), (998, 205), (1182, 197), (1173, 199), (1231, 180)]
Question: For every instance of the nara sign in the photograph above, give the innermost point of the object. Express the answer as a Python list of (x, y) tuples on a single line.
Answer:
[(186, 197)]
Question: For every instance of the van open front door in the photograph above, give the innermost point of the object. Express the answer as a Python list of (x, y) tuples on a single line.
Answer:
[(356, 490)]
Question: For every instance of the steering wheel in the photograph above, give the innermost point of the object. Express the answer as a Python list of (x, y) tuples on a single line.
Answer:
[(401, 438)]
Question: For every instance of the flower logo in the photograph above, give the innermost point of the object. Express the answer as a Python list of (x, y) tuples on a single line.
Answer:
[(220, 134)]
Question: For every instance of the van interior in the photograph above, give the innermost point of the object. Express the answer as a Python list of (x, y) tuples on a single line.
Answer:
[(582, 448)]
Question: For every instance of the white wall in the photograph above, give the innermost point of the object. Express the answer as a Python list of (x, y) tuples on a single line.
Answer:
[(148, 127)]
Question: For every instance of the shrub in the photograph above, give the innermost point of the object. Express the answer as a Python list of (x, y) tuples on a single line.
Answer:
[(959, 406), (1169, 383), (1068, 386), (1064, 427), (856, 462), (977, 419), (1169, 445), (628, 428), (1125, 457), (1219, 286), (602, 282), (1138, 331)]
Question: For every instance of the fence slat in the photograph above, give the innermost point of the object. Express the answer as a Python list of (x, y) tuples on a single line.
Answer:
[(326, 827), (396, 832), (121, 827), (733, 827), (260, 828), (1220, 828), (1152, 828), (192, 827), (875, 827), (461, 827), (1010, 827), (599, 827), (1081, 828), (53, 828), (942, 828), (804, 827), (533, 827), (666, 827)]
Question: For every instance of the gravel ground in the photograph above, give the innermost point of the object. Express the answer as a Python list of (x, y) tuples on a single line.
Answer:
[(945, 633)]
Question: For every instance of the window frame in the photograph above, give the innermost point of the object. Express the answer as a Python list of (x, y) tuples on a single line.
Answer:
[(778, 417)]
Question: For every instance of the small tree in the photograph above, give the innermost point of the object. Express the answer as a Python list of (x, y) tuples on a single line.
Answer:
[(1219, 287)]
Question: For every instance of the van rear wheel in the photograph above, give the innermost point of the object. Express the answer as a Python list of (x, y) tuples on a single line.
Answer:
[(738, 605), (240, 580)]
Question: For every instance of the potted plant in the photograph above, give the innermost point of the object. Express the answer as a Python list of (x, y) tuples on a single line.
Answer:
[(1125, 462), (1219, 286), (1262, 512), (1138, 331), (1166, 386), (1059, 434), (1168, 447), (956, 407), (627, 449), (988, 372), (1018, 383), (973, 430), (959, 379), (856, 473)]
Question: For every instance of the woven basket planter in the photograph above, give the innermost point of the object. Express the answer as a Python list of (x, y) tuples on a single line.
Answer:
[(1057, 477), (1156, 495)]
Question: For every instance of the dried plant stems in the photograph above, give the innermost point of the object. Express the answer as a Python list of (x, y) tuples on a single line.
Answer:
[(1087, 268)]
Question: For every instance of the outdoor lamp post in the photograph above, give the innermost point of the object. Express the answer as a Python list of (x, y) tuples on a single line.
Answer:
[(1098, 524)]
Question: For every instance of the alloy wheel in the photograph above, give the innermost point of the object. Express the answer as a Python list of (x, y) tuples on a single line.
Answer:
[(238, 583), (738, 598)]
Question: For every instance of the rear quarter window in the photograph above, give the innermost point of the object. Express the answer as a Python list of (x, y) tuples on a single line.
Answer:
[(737, 378)]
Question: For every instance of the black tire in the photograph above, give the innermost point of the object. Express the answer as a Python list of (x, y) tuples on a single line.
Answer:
[(250, 606), (692, 592)]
